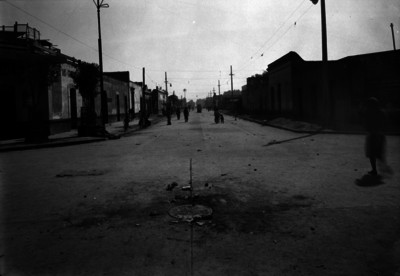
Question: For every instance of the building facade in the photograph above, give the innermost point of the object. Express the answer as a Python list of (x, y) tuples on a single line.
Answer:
[(292, 87)]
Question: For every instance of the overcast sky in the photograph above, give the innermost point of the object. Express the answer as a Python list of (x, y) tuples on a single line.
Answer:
[(196, 41)]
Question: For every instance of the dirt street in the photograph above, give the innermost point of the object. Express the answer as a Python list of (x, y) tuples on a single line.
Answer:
[(283, 204)]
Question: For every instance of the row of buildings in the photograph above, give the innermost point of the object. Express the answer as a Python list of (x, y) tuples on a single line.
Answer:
[(292, 87), (38, 96)]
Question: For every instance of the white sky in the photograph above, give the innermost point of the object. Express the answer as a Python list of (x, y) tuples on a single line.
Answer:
[(196, 41)]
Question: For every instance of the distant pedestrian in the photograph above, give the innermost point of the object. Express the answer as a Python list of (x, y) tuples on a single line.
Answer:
[(178, 113), (217, 115), (186, 114), (221, 118), (375, 142)]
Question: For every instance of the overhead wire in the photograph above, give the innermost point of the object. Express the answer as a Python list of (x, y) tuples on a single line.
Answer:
[(282, 34), (273, 34), (151, 70)]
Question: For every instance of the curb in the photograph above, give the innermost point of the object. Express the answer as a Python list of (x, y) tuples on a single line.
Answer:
[(319, 131), (52, 144), (61, 142)]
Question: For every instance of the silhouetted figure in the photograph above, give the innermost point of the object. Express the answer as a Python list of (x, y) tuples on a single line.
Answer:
[(221, 118), (178, 113), (216, 115), (375, 142), (186, 114)]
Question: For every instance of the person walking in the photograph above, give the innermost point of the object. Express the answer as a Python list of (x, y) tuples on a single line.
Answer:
[(186, 114), (216, 116), (375, 141)]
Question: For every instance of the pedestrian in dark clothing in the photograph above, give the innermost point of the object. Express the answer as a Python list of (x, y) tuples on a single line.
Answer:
[(216, 115), (221, 118), (375, 142), (178, 113), (186, 114)]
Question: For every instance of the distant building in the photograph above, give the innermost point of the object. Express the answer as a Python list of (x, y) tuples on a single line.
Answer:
[(159, 100), (292, 87), (117, 89), (38, 97), (254, 99)]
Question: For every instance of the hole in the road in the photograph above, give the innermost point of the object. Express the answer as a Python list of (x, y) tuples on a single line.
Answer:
[(190, 212)]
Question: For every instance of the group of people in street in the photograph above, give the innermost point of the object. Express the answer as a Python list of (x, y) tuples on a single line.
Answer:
[(169, 111), (374, 121)]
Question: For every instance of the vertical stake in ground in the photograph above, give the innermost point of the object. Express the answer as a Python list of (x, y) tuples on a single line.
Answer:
[(191, 223), (191, 183)]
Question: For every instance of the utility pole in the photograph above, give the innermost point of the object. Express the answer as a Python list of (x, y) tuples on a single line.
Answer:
[(219, 88), (143, 111), (104, 116), (327, 108), (324, 36), (394, 43), (166, 83), (231, 82)]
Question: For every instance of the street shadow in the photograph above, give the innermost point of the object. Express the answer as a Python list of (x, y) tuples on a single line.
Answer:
[(368, 180), (275, 142)]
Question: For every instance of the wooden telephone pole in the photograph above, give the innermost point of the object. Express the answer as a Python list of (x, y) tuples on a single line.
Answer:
[(166, 83), (394, 43)]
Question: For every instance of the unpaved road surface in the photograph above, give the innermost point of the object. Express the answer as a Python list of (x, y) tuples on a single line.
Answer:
[(289, 208)]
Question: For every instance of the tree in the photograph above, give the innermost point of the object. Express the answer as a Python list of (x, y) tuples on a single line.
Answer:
[(86, 79)]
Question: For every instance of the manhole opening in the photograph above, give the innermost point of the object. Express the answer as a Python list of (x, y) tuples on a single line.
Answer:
[(190, 212)]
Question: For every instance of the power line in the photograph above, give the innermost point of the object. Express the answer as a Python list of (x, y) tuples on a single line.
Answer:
[(283, 34), (50, 26), (64, 33), (276, 31)]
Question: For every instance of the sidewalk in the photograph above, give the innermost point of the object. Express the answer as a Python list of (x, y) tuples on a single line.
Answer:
[(72, 138), (303, 127)]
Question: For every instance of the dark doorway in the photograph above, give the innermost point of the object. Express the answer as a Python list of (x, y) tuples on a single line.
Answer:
[(133, 102), (126, 105), (118, 107), (104, 102), (74, 109), (8, 114)]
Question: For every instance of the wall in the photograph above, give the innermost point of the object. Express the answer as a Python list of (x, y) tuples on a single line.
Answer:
[(136, 91), (116, 91)]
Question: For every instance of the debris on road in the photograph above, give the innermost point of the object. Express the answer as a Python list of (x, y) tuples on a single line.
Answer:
[(171, 186), (200, 223), (208, 185), (272, 142)]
